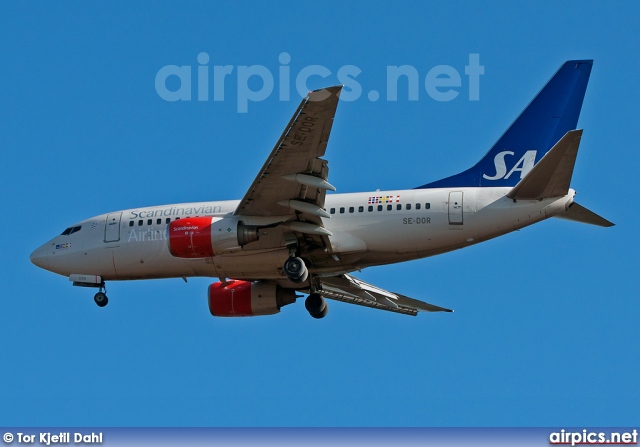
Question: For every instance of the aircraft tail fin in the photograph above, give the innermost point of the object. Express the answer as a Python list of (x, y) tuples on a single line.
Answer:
[(579, 213), (551, 177), (552, 113)]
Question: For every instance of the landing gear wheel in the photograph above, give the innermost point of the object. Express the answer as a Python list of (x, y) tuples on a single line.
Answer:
[(101, 299), (316, 305), (295, 270)]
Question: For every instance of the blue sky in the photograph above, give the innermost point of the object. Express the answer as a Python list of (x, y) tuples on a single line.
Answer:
[(545, 331)]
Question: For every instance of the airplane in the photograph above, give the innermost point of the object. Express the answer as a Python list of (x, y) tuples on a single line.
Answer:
[(288, 235)]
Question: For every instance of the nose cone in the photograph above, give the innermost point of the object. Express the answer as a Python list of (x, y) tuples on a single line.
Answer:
[(40, 257)]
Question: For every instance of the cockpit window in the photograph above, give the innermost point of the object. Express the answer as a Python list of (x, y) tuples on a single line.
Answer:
[(71, 230)]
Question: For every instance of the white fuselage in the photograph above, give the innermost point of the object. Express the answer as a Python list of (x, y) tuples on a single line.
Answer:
[(371, 228)]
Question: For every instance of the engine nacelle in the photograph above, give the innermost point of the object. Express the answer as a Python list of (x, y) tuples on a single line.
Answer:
[(204, 237), (247, 299)]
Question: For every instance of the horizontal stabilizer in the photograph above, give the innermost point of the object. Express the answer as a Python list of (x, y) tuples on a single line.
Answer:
[(551, 177), (579, 213)]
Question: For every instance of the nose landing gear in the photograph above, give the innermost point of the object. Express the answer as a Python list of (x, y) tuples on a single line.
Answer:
[(101, 297), (95, 282)]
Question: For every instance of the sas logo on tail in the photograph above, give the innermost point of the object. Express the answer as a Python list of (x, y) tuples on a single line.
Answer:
[(524, 165)]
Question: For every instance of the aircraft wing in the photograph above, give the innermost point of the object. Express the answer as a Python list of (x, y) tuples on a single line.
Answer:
[(348, 289), (293, 179)]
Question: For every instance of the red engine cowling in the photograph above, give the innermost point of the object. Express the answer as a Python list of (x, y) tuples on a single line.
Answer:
[(203, 237), (191, 237), (247, 299)]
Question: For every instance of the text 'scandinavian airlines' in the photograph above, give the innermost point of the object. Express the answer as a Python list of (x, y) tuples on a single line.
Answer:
[(287, 235)]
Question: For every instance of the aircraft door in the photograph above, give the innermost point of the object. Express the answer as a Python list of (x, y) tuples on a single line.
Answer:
[(112, 227), (455, 208)]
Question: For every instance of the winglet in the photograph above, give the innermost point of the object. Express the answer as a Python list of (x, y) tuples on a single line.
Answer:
[(551, 177)]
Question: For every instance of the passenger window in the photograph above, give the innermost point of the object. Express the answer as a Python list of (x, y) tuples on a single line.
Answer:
[(370, 208), (351, 209), (333, 211), (149, 222), (130, 223), (360, 209), (159, 221), (168, 220), (140, 223), (379, 207), (427, 206), (408, 206), (399, 206), (417, 206), (389, 207), (341, 210)]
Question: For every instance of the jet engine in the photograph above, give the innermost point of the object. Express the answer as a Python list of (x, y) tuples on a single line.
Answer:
[(204, 237), (247, 299)]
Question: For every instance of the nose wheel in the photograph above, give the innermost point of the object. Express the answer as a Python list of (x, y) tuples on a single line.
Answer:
[(101, 297)]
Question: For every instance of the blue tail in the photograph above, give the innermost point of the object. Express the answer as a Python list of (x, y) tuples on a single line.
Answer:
[(551, 114)]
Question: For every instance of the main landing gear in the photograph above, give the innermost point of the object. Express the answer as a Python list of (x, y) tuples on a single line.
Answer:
[(297, 272), (101, 297), (316, 305)]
